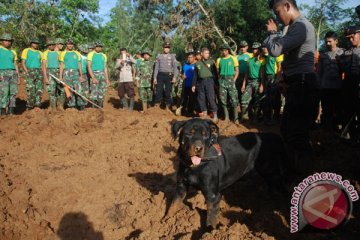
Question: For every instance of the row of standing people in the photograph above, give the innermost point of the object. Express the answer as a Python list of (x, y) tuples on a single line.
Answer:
[(85, 73), (202, 84)]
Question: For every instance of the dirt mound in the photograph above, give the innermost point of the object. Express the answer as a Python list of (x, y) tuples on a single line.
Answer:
[(111, 175)]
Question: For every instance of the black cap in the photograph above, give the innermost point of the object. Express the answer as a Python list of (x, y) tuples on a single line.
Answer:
[(123, 49), (351, 30), (166, 45)]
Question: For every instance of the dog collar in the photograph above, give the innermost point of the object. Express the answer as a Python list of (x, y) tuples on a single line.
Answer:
[(213, 152)]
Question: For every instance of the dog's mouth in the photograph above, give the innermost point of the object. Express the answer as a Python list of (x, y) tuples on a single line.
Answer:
[(196, 160)]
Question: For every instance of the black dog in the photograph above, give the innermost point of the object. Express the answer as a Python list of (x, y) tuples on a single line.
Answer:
[(212, 164)]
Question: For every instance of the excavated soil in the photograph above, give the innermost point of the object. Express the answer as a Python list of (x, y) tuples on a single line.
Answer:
[(110, 175)]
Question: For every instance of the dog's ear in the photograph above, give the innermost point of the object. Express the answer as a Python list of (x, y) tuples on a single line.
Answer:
[(214, 129), (175, 128)]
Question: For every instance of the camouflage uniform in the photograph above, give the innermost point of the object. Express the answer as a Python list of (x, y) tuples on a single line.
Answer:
[(227, 86), (34, 77), (8, 77), (98, 90), (178, 86), (85, 83), (34, 87), (53, 86), (251, 93), (145, 73), (8, 88), (71, 78)]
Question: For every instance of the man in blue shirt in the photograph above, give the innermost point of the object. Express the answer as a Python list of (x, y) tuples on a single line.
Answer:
[(189, 97)]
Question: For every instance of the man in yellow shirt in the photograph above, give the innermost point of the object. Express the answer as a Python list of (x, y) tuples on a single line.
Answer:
[(31, 64), (71, 72), (228, 69)]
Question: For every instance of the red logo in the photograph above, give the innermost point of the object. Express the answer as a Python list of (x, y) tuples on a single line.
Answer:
[(325, 206)]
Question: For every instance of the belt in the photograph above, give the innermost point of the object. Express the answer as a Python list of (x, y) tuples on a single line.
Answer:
[(253, 79), (98, 71), (299, 77), (166, 73), (71, 70)]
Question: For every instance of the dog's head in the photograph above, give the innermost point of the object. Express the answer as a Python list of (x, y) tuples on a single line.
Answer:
[(195, 137)]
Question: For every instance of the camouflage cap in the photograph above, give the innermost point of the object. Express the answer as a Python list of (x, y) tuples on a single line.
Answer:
[(35, 40), (59, 41), (98, 44), (243, 44), (83, 48), (256, 45), (91, 45), (146, 50), (351, 30), (69, 41), (166, 45), (50, 41), (7, 37), (225, 46)]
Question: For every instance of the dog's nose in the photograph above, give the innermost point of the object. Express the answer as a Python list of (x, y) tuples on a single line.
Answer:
[(198, 148)]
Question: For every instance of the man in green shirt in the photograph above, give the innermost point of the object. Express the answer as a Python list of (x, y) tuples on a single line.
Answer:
[(228, 71), (31, 64), (71, 72), (9, 75), (243, 59), (204, 82), (97, 66), (252, 87), (272, 75), (50, 65), (85, 84)]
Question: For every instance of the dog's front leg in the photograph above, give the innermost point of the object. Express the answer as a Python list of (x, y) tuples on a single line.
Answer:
[(180, 194), (212, 197)]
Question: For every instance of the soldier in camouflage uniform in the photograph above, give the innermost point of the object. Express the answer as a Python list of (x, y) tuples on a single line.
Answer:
[(85, 84), (71, 72), (177, 89), (228, 70), (31, 64), (51, 65), (9, 75), (144, 76), (97, 66), (252, 87)]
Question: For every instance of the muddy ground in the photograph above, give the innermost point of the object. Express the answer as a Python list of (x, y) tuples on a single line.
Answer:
[(93, 175)]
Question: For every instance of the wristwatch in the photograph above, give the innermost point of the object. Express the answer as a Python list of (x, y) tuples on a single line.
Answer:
[(272, 32)]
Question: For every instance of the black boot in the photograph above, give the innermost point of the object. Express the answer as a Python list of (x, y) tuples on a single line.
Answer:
[(2, 112), (11, 111)]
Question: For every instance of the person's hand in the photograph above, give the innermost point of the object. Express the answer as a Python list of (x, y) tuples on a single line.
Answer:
[(81, 79), (261, 88), (173, 80), (94, 80), (242, 89), (137, 84), (271, 25), (108, 82), (193, 89), (46, 81), (155, 82), (18, 79)]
